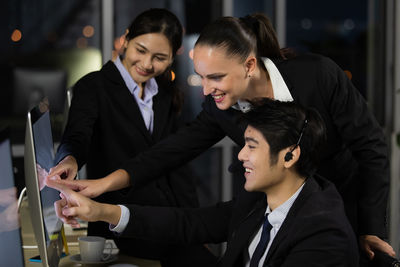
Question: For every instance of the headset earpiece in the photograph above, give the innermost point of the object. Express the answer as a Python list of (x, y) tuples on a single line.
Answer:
[(288, 156)]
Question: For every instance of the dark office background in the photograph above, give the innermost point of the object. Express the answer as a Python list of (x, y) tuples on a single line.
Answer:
[(57, 36), (51, 36)]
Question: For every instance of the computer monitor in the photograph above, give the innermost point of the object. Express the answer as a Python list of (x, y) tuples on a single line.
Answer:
[(11, 253), (39, 158)]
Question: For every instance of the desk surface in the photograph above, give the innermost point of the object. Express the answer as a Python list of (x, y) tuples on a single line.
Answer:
[(30, 248)]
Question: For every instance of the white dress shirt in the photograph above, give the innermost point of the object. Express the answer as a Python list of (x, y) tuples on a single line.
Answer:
[(150, 90), (276, 219)]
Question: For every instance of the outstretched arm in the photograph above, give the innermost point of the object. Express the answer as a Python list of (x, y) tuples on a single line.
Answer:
[(179, 148), (94, 187), (164, 224)]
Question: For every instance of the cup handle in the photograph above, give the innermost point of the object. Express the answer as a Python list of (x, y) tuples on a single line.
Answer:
[(107, 247)]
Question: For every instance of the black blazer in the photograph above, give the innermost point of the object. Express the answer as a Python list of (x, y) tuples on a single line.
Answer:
[(355, 157), (315, 232), (105, 128)]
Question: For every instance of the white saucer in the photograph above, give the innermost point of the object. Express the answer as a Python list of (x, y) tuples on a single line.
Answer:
[(77, 258)]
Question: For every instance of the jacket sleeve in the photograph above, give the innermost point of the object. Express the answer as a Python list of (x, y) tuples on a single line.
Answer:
[(179, 226), (81, 119), (364, 137), (177, 149)]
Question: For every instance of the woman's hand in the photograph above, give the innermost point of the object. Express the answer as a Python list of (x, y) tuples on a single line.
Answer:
[(66, 168), (88, 188), (369, 243), (74, 205), (94, 187)]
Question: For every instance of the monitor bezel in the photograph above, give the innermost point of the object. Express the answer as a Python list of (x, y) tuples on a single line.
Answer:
[(34, 197)]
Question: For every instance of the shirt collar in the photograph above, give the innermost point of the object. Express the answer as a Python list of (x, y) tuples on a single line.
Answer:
[(279, 87), (278, 215)]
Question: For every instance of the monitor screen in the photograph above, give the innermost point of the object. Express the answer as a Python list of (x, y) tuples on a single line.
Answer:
[(10, 237), (39, 158)]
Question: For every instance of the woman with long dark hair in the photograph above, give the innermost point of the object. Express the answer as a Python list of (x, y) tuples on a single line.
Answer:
[(239, 60), (122, 110)]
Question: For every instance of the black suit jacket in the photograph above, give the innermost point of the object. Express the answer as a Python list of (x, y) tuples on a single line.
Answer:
[(315, 232), (105, 128), (355, 157)]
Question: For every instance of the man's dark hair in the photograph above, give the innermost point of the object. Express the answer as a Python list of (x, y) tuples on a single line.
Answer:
[(281, 124)]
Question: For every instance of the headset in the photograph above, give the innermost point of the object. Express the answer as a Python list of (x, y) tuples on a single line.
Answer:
[(289, 155)]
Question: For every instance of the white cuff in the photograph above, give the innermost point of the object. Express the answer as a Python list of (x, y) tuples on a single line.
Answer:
[(123, 220)]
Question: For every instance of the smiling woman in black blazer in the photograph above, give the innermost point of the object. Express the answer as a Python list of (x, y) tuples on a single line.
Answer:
[(239, 60), (122, 110)]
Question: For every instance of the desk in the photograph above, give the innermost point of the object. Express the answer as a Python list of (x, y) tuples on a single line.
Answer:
[(31, 250)]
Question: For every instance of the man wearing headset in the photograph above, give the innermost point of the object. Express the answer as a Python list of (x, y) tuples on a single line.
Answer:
[(286, 216)]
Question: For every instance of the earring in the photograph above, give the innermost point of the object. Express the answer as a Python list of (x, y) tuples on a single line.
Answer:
[(249, 75)]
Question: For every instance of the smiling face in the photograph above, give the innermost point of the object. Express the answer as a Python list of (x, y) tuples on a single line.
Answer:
[(224, 78), (260, 173), (147, 56)]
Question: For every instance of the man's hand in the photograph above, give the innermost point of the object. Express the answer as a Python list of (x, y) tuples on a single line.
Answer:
[(371, 243), (66, 169), (74, 205)]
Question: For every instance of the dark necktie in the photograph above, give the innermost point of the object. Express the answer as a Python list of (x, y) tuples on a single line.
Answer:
[(262, 244)]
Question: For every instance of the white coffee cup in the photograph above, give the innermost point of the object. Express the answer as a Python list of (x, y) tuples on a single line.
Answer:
[(92, 247)]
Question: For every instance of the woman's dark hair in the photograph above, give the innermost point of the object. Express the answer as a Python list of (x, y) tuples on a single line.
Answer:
[(281, 124), (159, 20), (241, 36)]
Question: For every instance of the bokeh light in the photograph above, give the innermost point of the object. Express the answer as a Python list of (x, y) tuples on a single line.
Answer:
[(16, 35), (172, 75), (194, 80), (88, 31), (81, 42)]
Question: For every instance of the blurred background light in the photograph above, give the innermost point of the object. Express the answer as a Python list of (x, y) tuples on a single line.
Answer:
[(81, 42), (306, 24), (172, 75), (16, 35), (88, 31), (194, 80)]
